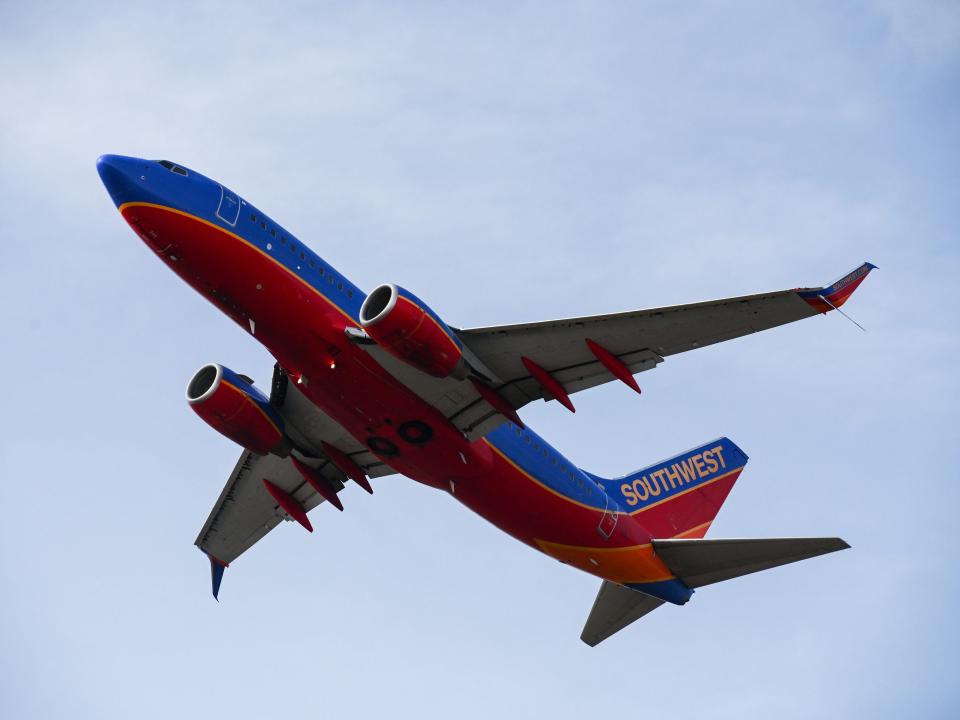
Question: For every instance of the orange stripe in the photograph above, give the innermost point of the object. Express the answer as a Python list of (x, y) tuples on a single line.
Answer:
[(245, 242), (433, 320), (635, 563)]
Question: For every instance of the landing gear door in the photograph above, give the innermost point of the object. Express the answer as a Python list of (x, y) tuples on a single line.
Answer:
[(229, 208)]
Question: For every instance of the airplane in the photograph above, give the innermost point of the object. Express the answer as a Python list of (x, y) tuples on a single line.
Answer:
[(368, 385)]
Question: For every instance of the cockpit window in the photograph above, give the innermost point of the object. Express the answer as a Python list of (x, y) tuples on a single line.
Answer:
[(173, 168)]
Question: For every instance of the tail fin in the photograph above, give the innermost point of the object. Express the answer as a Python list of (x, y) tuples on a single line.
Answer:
[(697, 563), (681, 496)]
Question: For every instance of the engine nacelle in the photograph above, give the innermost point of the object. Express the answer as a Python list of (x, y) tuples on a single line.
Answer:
[(232, 406), (406, 327)]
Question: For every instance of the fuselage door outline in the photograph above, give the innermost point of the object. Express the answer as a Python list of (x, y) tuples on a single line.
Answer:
[(608, 521), (229, 208)]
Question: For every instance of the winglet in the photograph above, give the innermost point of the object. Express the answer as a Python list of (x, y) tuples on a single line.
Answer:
[(832, 297), (216, 573)]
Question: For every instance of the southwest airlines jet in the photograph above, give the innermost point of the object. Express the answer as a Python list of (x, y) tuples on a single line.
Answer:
[(367, 385)]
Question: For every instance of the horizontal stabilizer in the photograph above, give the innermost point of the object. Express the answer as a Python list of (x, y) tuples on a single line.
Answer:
[(614, 609), (704, 562)]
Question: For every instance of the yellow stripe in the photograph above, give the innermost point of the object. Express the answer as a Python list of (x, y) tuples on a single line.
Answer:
[(245, 242), (620, 564), (544, 544), (690, 489), (627, 548), (433, 320), (537, 482), (593, 507), (695, 530), (254, 403)]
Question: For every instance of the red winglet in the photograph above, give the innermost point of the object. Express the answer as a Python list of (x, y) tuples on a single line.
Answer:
[(497, 402), (291, 506), (318, 482), (347, 466), (831, 298), (549, 383), (612, 363)]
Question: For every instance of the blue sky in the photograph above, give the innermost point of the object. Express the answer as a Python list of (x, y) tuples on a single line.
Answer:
[(507, 162)]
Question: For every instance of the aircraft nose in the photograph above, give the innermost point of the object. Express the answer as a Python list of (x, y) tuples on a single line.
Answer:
[(122, 176)]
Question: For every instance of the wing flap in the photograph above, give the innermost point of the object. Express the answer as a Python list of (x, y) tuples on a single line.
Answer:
[(664, 331), (245, 512)]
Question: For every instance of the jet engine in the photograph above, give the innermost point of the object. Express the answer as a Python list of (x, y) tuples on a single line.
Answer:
[(231, 405), (406, 327)]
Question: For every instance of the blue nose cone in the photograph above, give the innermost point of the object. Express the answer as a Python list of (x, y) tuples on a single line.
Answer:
[(124, 177)]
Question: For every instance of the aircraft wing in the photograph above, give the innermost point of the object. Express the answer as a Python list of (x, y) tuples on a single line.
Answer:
[(245, 511), (636, 340)]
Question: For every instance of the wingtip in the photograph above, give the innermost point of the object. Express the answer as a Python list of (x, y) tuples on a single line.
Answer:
[(836, 294), (217, 567)]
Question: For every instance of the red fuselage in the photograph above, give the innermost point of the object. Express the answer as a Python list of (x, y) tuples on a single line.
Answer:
[(274, 291)]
